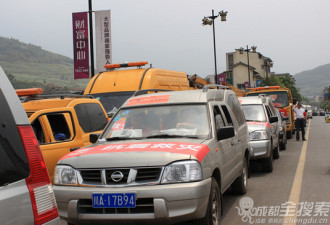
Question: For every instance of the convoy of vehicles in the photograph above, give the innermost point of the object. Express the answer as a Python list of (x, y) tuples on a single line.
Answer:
[(26, 194), (191, 141), (156, 162), (61, 122), (262, 120), (282, 99)]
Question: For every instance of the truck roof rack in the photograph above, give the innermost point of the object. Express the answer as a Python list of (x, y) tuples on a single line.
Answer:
[(61, 96), (217, 86), (145, 91)]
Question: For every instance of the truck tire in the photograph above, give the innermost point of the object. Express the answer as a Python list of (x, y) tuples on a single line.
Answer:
[(213, 212), (267, 164), (283, 145), (239, 186), (276, 152), (289, 134)]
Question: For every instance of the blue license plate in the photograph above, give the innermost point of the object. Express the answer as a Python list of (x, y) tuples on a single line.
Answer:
[(113, 200)]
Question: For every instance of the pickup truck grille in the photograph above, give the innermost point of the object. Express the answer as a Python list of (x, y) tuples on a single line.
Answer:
[(120, 176), (143, 205)]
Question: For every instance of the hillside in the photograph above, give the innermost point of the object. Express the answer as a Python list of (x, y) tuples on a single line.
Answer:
[(312, 82), (29, 63)]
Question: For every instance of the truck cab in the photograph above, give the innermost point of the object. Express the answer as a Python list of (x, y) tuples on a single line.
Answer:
[(120, 81), (62, 122)]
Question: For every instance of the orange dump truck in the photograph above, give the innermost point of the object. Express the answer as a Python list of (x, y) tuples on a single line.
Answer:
[(282, 99)]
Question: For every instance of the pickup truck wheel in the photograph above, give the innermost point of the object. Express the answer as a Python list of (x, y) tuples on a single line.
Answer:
[(240, 184), (289, 135), (267, 164), (276, 152), (213, 212)]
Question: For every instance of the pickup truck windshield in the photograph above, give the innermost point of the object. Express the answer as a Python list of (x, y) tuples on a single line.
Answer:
[(170, 121), (254, 113), (280, 98)]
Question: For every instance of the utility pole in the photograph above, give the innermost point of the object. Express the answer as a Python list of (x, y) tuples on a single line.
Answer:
[(91, 42), (248, 60)]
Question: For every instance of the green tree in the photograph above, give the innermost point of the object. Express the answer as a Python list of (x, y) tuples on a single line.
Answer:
[(288, 82), (272, 81)]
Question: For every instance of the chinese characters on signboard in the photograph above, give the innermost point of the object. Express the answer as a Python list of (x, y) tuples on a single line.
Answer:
[(103, 39), (222, 79), (80, 45)]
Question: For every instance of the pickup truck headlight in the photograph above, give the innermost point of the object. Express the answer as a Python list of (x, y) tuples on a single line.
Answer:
[(65, 175), (281, 129), (183, 171), (258, 135)]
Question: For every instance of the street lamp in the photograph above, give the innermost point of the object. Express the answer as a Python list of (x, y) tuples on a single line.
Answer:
[(209, 20)]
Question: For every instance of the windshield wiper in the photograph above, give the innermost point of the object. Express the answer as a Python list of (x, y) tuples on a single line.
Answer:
[(171, 136)]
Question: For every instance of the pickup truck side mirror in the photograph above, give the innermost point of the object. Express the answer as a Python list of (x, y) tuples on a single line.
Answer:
[(294, 101), (225, 132), (273, 119), (94, 137)]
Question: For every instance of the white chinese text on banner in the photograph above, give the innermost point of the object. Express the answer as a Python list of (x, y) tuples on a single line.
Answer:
[(80, 45), (103, 39)]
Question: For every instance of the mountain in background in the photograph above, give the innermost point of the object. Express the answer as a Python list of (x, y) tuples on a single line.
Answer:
[(30, 64), (312, 82)]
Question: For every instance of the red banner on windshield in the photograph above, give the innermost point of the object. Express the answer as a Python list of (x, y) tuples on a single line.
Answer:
[(80, 45)]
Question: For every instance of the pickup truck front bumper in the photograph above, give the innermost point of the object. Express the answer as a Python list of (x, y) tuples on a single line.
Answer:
[(260, 149), (159, 204)]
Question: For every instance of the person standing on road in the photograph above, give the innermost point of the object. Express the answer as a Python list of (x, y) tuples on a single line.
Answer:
[(300, 121)]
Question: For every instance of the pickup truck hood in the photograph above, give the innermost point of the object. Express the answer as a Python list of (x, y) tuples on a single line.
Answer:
[(252, 126), (136, 153)]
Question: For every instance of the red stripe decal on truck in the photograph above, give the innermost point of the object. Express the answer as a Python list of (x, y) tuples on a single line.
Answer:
[(259, 123), (148, 100), (197, 150)]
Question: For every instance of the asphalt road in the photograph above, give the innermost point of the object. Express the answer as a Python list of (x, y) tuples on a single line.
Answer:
[(301, 177)]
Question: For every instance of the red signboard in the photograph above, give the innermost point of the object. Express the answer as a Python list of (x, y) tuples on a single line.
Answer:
[(80, 45), (222, 78)]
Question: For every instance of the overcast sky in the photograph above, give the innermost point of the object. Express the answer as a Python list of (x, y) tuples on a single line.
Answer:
[(295, 34)]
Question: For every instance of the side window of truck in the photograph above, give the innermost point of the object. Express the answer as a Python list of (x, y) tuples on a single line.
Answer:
[(227, 115), (60, 127), (39, 131), (91, 117), (218, 118), (269, 113)]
